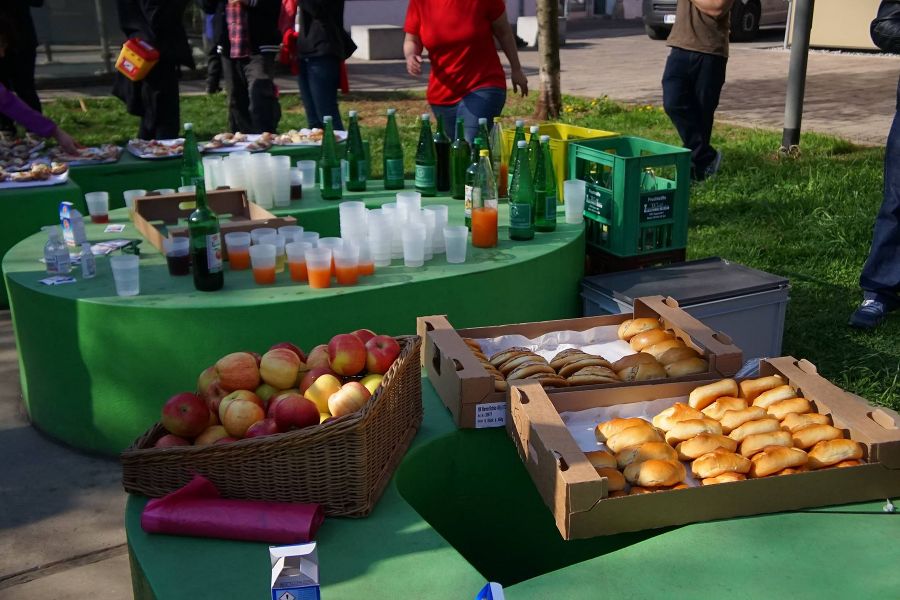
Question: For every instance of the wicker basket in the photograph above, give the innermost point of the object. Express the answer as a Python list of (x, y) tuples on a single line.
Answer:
[(343, 465)]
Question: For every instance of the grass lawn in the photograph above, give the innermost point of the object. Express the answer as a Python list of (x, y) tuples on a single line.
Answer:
[(808, 219)]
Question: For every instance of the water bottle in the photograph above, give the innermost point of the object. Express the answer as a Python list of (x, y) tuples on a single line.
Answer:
[(63, 260), (50, 251), (88, 262)]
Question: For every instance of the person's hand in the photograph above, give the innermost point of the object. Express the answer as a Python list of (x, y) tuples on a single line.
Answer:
[(519, 81), (414, 65), (65, 141)]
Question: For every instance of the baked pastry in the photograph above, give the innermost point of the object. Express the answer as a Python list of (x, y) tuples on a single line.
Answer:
[(795, 422), (754, 443), (668, 418), (783, 408), (701, 444), (633, 436), (685, 430), (660, 348), (717, 462), (529, 368), (609, 428), (645, 451), (548, 380), (776, 394), (717, 409), (566, 356), (615, 481), (831, 452), (751, 388), (811, 435), (519, 359), (725, 477), (471, 343), (654, 472), (632, 327), (775, 458), (647, 338), (791, 471), (848, 463), (504, 355), (601, 458), (676, 354), (644, 372), (575, 365), (592, 376), (687, 366), (617, 494), (705, 395), (735, 418), (765, 425)]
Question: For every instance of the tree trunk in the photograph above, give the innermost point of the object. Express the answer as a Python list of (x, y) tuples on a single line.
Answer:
[(549, 101)]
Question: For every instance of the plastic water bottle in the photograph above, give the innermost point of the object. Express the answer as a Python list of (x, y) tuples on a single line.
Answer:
[(88, 262), (56, 255), (63, 260)]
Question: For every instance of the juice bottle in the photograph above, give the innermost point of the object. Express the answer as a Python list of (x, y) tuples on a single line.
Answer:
[(484, 205)]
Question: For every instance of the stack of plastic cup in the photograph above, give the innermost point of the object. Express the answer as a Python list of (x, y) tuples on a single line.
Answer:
[(296, 260), (278, 241), (427, 217), (380, 237), (440, 221), (393, 220), (456, 238), (413, 237), (307, 173), (318, 267), (346, 263), (408, 203), (353, 220), (238, 245), (212, 175), (290, 232), (262, 180), (261, 231), (366, 260), (281, 177), (236, 167)]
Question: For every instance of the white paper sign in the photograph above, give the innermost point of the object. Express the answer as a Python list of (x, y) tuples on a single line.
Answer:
[(491, 414)]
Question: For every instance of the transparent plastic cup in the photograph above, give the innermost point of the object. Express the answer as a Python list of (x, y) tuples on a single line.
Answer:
[(278, 241), (164, 191), (98, 206), (441, 215), (331, 243), (259, 232), (262, 259), (296, 260), (178, 255), (126, 274), (366, 260), (318, 267), (408, 203), (413, 239), (281, 170), (381, 251), (573, 195), (187, 189), (456, 237), (428, 218), (290, 232), (311, 237), (130, 195), (346, 264), (238, 245), (307, 173)]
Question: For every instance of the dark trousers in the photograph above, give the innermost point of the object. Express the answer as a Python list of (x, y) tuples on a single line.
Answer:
[(692, 83), (880, 279), (319, 79), (17, 74), (213, 69), (250, 84), (161, 117)]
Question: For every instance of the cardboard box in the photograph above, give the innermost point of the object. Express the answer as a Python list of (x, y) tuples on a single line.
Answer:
[(468, 390), (157, 217), (577, 495), (295, 572)]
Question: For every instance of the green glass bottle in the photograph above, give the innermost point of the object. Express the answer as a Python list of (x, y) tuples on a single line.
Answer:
[(357, 165), (203, 224), (460, 159), (544, 188), (518, 136), (426, 161), (329, 165), (392, 153), (472, 177), (484, 134), (521, 198), (442, 152), (534, 142)]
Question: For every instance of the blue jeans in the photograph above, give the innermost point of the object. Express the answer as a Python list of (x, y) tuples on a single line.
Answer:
[(692, 83), (880, 279), (319, 79), (484, 102)]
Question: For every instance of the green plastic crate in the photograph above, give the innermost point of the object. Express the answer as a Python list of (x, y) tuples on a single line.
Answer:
[(630, 206)]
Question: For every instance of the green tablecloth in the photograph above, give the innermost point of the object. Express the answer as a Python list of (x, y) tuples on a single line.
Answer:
[(118, 359), (475, 494)]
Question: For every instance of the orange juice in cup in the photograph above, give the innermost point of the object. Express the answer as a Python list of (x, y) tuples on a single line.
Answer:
[(296, 260), (238, 245), (346, 261), (262, 259), (299, 272), (367, 268), (264, 275), (318, 267)]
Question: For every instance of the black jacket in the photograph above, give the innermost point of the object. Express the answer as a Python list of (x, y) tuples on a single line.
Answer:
[(322, 30), (885, 29), (159, 23), (262, 16), (18, 14)]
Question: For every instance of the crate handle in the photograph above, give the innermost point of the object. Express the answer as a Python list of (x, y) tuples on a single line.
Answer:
[(887, 418)]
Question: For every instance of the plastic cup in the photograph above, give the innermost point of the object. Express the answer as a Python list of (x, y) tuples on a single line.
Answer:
[(278, 241), (211, 166), (573, 195), (307, 173), (346, 264), (381, 251), (178, 255), (130, 195), (164, 191), (331, 243), (311, 237), (456, 237), (98, 206), (428, 217), (262, 258), (290, 232), (296, 260), (262, 180), (281, 171), (238, 245), (413, 244), (366, 260), (187, 189), (318, 267), (441, 215), (261, 231), (408, 203), (126, 274)]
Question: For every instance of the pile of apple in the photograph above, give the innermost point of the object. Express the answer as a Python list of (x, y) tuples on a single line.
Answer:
[(246, 395)]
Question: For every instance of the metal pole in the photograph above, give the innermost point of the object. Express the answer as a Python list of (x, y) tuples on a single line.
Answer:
[(796, 85), (104, 39)]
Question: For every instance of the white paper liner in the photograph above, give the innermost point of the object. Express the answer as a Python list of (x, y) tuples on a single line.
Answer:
[(599, 341)]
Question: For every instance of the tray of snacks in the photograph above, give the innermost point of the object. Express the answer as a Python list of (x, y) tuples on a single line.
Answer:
[(223, 143), (97, 155), (17, 154), (38, 174), (306, 137), (156, 149)]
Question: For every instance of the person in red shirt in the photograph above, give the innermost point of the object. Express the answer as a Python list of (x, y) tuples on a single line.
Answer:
[(467, 79)]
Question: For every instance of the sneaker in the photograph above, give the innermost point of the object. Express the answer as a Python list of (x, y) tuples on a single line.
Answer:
[(868, 315), (714, 166)]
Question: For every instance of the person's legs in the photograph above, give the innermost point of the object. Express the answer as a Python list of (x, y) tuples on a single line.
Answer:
[(482, 103), (162, 118), (447, 113), (238, 98), (323, 77), (264, 108), (213, 70), (313, 118), (680, 102), (707, 90)]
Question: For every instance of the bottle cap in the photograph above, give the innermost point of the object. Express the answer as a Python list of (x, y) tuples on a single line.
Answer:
[(426, 117), (496, 119), (326, 119), (522, 143), (545, 139), (483, 153), (482, 121), (352, 113), (534, 129), (520, 123), (391, 111), (188, 126)]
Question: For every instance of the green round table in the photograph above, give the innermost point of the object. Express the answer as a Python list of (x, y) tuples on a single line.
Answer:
[(96, 368)]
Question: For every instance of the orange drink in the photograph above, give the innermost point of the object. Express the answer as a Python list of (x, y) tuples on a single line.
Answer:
[(262, 259), (318, 267), (347, 275), (319, 277), (502, 180), (367, 268), (264, 275), (298, 271), (239, 258), (484, 227)]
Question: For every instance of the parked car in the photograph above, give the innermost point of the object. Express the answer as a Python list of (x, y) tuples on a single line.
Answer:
[(746, 17)]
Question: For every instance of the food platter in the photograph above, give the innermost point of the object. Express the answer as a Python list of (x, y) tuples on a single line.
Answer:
[(18, 154), (306, 137), (156, 149), (44, 177), (97, 155), (223, 143)]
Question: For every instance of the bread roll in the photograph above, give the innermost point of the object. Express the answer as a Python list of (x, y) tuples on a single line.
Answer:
[(633, 359), (520, 359), (811, 435), (726, 477), (618, 494), (530, 368), (567, 355), (644, 372), (613, 426), (685, 430), (774, 459), (705, 395), (831, 452), (754, 443), (791, 471), (733, 419), (676, 354), (593, 375), (645, 451), (473, 344), (655, 473), (688, 366), (578, 363), (615, 481), (676, 413), (548, 380), (717, 409), (632, 437), (783, 408), (631, 328), (713, 464), (769, 397), (751, 388), (795, 422), (648, 338), (699, 445), (623, 327), (765, 425), (601, 459), (848, 463), (498, 358), (637, 490), (660, 348)]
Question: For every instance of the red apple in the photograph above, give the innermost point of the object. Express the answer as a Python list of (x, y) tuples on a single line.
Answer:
[(274, 400), (240, 415), (255, 355), (318, 357), (214, 395), (364, 335), (312, 375), (185, 415), (346, 354), (238, 395), (279, 368), (295, 349), (170, 441), (267, 426), (225, 440), (238, 371), (211, 435), (350, 398), (295, 411), (321, 390), (381, 352), (206, 379)]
